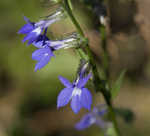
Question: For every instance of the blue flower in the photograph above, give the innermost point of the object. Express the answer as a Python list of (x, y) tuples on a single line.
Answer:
[(91, 118), (46, 49), (34, 30), (76, 92)]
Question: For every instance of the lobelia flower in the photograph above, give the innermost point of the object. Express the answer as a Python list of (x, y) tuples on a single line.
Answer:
[(47, 47), (94, 117), (76, 93), (34, 30)]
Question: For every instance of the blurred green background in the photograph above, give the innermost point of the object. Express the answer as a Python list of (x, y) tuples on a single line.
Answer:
[(28, 98)]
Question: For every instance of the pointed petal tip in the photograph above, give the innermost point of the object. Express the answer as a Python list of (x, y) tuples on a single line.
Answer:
[(35, 69), (65, 81), (26, 19)]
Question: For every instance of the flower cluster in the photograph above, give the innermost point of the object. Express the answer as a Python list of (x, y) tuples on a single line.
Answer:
[(36, 35), (33, 30), (75, 92)]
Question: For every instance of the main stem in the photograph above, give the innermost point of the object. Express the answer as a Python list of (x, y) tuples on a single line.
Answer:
[(98, 82), (106, 71)]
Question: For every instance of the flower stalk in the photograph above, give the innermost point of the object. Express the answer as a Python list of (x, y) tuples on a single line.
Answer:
[(100, 85)]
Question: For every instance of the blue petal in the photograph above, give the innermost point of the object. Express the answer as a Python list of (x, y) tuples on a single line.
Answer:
[(65, 81), (85, 122), (42, 63), (86, 98), (42, 56), (40, 53), (31, 40), (32, 36), (83, 81), (64, 97), (27, 28), (75, 104), (26, 19)]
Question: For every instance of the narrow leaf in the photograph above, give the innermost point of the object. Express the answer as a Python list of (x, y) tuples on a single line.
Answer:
[(117, 85)]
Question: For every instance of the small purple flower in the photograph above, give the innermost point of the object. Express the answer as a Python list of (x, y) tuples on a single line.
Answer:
[(91, 118), (76, 92), (34, 30), (46, 49)]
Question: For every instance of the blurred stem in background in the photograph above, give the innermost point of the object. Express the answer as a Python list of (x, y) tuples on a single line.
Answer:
[(100, 84)]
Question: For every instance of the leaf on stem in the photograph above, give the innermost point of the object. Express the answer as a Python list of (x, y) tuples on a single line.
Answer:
[(117, 85)]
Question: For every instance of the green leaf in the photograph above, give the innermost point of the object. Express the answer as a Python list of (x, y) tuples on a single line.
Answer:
[(111, 132), (116, 87)]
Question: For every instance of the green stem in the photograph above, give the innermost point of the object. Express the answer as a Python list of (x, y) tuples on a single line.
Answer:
[(69, 11), (113, 119), (105, 56), (105, 62), (100, 85)]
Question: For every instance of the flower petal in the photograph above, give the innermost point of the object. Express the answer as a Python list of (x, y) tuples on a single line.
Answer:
[(85, 122), (42, 56), (65, 81), (83, 81), (42, 63), (32, 36), (75, 104), (86, 98), (26, 19), (27, 28), (64, 97), (40, 53)]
